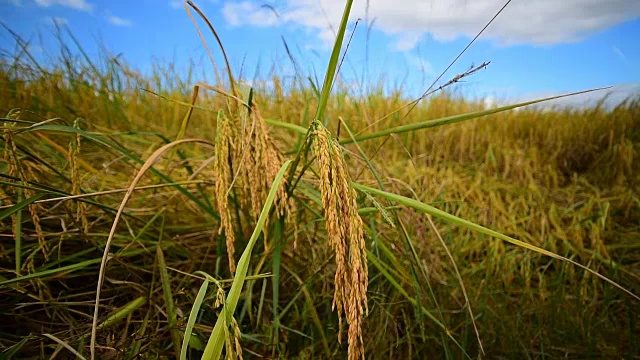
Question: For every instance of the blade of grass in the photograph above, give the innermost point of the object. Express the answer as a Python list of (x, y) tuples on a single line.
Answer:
[(215, 34), (19, 206), (123, 312), (181, 133), (24, 47), (333, 62), (62, 195), (261, 303), (462, 287), (312, 310), (168, 296), (326, 86), (146, 166), (65, 345), (65, 153), (405, 236), (193, 315), (9, 353), (187, 117), (111, 145), (18, 234), (426, 92), (68, 268), (372, 258), (134, 351), (293, 127), (422, 207), (217, 338), (275, 281), (456, 118)]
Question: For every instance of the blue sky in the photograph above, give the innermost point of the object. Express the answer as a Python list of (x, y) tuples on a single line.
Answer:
[(536, 48)]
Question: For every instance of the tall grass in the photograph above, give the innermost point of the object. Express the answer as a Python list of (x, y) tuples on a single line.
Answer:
[(105, 195)]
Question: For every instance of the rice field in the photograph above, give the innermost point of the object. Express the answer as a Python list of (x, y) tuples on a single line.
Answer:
[(156, 216)]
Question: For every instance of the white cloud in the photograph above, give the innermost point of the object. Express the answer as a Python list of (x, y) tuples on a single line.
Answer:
[(537, 22), (420, 63), (610, 97), (73, 4), (118, 21), (249, 13), (177, 4), (408, 41)]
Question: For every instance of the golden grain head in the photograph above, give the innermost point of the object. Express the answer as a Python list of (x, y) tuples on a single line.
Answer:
[(20, 169), (256, 159), (236, 339), (222, 166), (346, 237), (261, 161)]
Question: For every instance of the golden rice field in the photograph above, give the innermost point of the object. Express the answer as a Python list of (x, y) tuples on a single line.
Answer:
[(139, 221)]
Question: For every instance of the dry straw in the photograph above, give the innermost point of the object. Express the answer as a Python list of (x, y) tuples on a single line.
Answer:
[(345, 232)]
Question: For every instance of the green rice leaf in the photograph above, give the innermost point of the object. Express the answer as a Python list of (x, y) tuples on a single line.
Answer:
[(422, 207), (217, 338), (192, 318), (123, 312), (19, 206)]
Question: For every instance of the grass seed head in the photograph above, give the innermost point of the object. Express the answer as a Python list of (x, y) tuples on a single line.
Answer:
[(261, 161), (224, 151), (20, 169), (346, 236)]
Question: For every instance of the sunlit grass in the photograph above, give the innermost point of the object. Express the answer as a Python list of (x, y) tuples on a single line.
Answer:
[(565, 181)]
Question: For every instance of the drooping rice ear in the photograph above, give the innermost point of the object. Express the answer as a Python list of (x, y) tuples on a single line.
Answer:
[(346, 236)]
